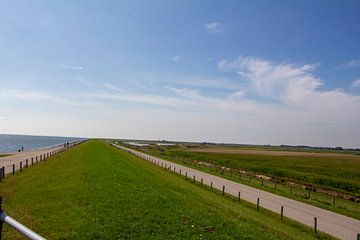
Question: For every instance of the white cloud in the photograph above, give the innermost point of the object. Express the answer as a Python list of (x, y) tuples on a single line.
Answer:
[(2, 118), (215, 28), (350, 64), (83, 80), (135, 13), (356, 84), (175, 58), (112, 87), (70, 67), (287, 83)]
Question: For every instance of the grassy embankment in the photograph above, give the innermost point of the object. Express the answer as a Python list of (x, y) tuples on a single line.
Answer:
[(340, 174), (94, 191)]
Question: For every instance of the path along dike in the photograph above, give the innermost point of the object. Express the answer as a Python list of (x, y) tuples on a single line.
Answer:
[(21, 160), (334, 224)]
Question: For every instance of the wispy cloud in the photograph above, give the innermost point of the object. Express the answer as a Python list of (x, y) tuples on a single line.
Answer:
[(2, 118), (57, 83), (356, 84), (290, 84), (83, 80), (135, 13), (70, 67), (112, 87), (175, 58), (350, 64), (216, 28)]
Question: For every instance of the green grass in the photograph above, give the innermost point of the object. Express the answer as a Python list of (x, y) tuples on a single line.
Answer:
[(5, 155), (94, 191), (319, 171), (313, 170)]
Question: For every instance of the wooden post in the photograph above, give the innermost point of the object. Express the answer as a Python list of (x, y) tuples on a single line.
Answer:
[(185, 174), (223, 191), (180, 171), (282, 212), (211, 185), (239, 196), (201, 182), (13, 169), (36, 159), (32, 161), (174, 169), (358, 236), (262, 182), (20, 166), (315, 225), (3, 172), (194, 178), (27, 163), (258, 204)]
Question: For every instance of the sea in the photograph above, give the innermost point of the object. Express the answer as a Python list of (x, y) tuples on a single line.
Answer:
[(13, 143)]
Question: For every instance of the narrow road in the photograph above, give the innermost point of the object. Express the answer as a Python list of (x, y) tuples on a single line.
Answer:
[(27, 158), (334, 224)]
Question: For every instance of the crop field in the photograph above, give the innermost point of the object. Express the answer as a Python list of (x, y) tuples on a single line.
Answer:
[(94, 191), (337, 174)]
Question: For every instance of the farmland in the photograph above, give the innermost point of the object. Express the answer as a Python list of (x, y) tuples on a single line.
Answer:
[(302, 169), (94, 191)]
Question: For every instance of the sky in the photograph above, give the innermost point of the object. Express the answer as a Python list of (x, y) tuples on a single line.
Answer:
[(250, 72)]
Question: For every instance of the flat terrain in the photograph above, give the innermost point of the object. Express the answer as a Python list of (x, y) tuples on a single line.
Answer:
[(316, 169), (266, 152), (94, 191)]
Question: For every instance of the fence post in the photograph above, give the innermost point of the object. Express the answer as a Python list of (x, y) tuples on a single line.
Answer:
[(223, 191), (239, 196), (262, 182), (201, 182), (32, 161), (27, 163), (194, 178), (315, 224), (13, 169), (211, 185), (282, 212), (257, 204), (1, 222), (358, 236), (20, 166), (185, 174), (180, 171)]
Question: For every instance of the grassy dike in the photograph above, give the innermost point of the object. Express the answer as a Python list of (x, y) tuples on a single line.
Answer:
[(94, 191)]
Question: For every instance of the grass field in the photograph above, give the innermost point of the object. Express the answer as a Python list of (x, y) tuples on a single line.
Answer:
[(5, 155), (94, 191), (340, 174)]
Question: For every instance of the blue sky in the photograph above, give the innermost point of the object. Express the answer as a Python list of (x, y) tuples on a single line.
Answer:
[(261, 72)]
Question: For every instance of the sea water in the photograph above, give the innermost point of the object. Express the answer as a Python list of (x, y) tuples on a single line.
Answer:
[(14, 143)]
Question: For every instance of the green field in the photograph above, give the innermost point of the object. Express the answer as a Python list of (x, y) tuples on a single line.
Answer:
[(5, 155), (94, 191), (340, 175)]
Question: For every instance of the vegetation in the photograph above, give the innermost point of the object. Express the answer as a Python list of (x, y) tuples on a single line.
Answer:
[(317, 171), (94, 191)]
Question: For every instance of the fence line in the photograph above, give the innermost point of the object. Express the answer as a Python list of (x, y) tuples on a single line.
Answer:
[(329, 222)]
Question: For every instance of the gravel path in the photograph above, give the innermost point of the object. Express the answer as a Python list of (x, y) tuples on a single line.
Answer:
[(334, 224)]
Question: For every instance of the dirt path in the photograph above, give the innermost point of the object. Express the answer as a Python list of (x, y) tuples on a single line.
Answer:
[(329, 222)]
